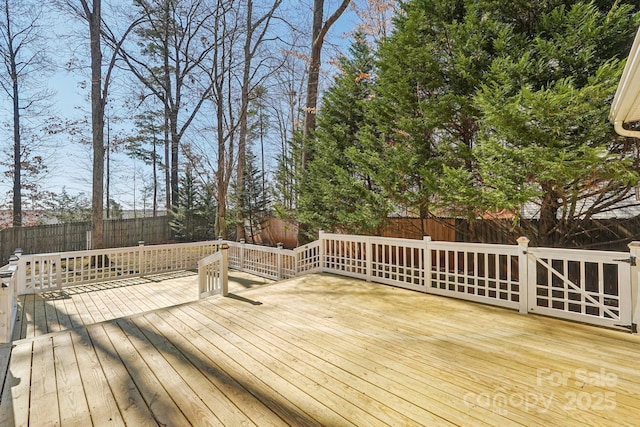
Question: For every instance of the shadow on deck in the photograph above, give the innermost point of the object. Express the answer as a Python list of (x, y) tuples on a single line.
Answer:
[(316, 350)]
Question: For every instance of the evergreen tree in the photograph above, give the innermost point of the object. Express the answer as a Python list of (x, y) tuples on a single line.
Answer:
[(146, 145), (545, 138), (494, 104), (422, 115), (337, 193), (193, 216), (255, 199)]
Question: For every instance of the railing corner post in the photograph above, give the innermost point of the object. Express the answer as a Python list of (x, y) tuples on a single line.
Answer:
[(224, 269), (21, 278), (634, 252), (523, 274), (321, 251)]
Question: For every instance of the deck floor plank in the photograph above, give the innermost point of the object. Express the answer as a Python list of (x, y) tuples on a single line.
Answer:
[(466, 350), (256, 384), (62, 316), (44, 392), (330, 393), (180, 391), (212, 396), (345, 362), (260, 414), (16, 389), (72, 402), (53, 323), (380, 402), (486, 358), (293, 392), (165, 410)]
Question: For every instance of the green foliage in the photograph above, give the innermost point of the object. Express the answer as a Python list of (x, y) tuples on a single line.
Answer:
[(193, 215), (255, 198), (337, 192), (69, 208), (545, 138), (476, 106)]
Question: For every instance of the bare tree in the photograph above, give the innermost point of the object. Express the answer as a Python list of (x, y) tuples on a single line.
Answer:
[(376, 18), (91, 12), (256, 32), (172, 48), (22, 51)]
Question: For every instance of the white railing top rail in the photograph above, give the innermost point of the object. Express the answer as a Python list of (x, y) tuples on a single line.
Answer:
[(90, 252)]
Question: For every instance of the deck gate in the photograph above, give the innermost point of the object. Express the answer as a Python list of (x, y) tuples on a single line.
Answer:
[(585, 286)]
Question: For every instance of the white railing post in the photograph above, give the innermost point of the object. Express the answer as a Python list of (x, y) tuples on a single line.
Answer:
[(280, 246), (89, 242), (321, 250), (427, 263), (523, 274), (21, 273), (369, 258), (242, 241), (634, 252), (224, 267), (141, 257)]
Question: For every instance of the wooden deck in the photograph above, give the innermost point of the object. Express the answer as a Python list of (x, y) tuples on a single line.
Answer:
[(315, 350)]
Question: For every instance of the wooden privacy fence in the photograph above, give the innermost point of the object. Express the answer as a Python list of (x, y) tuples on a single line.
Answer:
[(73, 236)]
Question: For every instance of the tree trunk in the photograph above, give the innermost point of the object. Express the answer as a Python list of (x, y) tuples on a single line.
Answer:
[(318, 32), (97, 125), (155, 174), (313, 80), (17, 150), (548, 215)]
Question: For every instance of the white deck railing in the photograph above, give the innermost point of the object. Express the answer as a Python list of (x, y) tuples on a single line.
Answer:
[(45, 272), (594, 287)]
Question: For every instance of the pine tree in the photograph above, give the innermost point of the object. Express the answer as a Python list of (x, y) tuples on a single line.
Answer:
[(545, 137), (481, 106), (337, 193), (193, 216), (255, 198)]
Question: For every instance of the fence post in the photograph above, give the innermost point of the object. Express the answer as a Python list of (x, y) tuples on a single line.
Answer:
[(523, 274), (426, 270), (141, 257), (634, 249), (224, 269), (89, 243), (279, 260)]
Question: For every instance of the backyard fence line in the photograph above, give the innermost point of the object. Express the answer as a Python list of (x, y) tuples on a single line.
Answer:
[(73, 236)]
